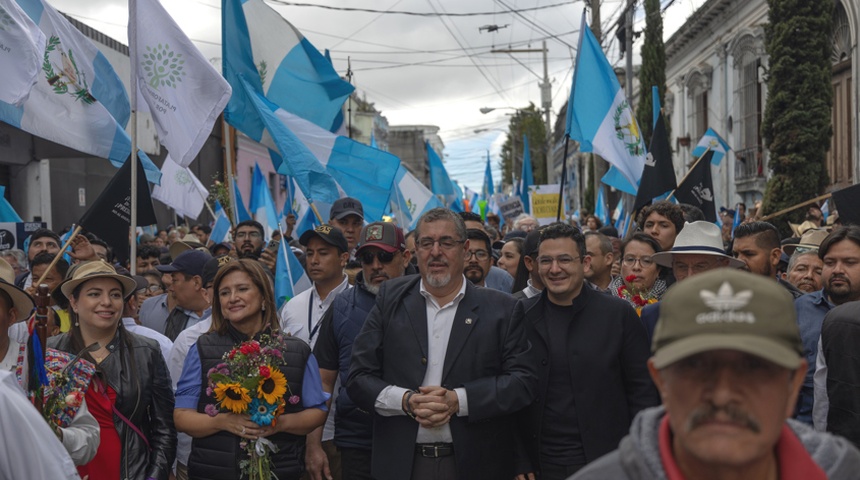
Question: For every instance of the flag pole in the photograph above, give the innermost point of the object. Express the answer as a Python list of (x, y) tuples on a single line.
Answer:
[(316, 212), (59, 255), (563, 176), (795, 207), (132, 44), (227, 132), (692, 167)]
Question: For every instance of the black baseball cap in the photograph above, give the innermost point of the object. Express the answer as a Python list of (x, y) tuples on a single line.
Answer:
[(346, 206), (189, 262), (211, 267), (328, 234)]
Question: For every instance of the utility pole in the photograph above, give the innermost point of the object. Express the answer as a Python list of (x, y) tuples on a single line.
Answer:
[(600, 165), (628, 41), (546, 99)]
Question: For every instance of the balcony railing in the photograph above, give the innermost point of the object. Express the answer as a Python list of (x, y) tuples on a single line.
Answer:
[(749, 164)]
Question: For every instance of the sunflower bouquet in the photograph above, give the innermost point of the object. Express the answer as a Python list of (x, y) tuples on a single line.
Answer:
[(248, 381)]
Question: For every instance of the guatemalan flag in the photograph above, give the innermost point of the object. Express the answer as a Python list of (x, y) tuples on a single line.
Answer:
[(599, 116), (78, 100), (21, 53), (265, 50), (410, 199), (290, 277), (712, 140), (262, 205)]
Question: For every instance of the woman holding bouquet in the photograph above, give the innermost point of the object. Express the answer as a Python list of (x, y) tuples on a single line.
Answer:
[(130, 394), (245, 328), (639, 282)]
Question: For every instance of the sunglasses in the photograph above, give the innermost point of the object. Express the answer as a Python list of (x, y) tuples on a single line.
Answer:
[(383, 257)]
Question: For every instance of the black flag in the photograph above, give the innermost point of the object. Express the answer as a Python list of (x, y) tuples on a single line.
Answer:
[(110, 215), (698, 188), (658, 177), (847, 201)]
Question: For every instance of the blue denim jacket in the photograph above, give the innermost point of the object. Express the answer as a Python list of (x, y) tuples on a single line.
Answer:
[(811, 309)]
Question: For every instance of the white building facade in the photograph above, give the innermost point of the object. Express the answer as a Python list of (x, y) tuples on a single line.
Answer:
[(716, 77)]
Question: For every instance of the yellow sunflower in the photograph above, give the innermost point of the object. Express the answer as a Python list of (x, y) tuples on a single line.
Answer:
[(272, 388), (233, 397)]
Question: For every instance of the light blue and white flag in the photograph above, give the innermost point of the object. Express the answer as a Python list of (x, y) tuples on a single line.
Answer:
[(410, 199), (301, 208), (440, 182), (527, 178), (262, 48), (184, 92), (240, 210), (21, 47), (290, 277), (7, 212), (262, 205), (221, 226), (78, 100), (489, 189), (825, 209), (713, 141), (599, 116), (601, 210), (619, 215), (327, 166)]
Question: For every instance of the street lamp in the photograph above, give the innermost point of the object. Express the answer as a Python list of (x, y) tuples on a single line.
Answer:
[(482, 130), (486, 110)]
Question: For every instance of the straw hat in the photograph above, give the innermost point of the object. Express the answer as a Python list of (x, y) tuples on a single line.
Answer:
[(810, 240), (20, 299), (188, 242), (697, 238), (799, 230), (96, 269)]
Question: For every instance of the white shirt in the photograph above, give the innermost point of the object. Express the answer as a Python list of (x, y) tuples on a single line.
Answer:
[(440, 319), (25, 437), (821, 404), (163, 342), (175, 361), (294, 320)]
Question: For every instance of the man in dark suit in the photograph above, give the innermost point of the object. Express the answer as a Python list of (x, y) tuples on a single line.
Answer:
[(444, 365), (593, 353)]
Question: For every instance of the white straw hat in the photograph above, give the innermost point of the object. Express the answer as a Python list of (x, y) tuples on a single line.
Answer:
[(697, 238)]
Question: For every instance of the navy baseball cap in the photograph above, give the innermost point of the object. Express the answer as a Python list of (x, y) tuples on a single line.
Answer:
[(346, 206), (190, 262), (328, 234)]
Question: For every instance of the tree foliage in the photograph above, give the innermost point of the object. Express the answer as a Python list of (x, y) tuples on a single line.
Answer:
[(528, 121), (653, 70), (797, 120)]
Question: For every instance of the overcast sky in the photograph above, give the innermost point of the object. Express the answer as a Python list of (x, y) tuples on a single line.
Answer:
[(424, 69)]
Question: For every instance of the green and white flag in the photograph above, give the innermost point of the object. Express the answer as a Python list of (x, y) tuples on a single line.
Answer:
[(184, 92), (21, 45), (180, 190)]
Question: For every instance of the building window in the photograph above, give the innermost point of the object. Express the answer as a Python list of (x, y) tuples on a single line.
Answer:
[(750, 161), (698, 86)]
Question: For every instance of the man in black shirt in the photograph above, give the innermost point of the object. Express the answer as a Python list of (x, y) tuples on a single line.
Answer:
[(592, 353)]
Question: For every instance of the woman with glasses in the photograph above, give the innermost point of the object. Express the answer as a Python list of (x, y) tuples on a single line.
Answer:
[(155, 286), (639, 282)]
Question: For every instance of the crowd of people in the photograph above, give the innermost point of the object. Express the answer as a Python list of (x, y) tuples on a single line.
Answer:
[(465, 348)]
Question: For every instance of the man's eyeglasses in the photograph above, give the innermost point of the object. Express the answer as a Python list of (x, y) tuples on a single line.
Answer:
[(384, 257), (645, 262), (479, 254), (152, 289), (254, 235), (564, 261), (445, 243)]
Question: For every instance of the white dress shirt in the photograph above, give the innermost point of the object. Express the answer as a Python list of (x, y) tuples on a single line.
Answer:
[(163, 342), (294, 320), (440, 319), (821, 404)]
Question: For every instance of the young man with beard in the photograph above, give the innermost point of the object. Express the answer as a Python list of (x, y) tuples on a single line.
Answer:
[(840, 276), (383, 256), (248, 238), (728, 363), (592, 375), (757, 245), (479, 257), (327, 253), (495, 277), (444, 365)]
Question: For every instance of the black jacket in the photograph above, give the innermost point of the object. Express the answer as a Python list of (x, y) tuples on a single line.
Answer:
[(487, 354), (144, 395), (608, 353), (840, 335)]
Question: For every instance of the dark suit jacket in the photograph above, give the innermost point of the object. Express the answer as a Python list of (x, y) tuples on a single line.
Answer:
[(650, 315), (608, 353), (490, 357)]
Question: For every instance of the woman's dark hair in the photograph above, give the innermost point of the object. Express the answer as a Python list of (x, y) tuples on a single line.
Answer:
[(596, 220), (260, 280), (646, 239), (518, 242), (77, 339)]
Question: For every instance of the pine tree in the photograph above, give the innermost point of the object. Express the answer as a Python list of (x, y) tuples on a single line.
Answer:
[(797, 118), (653, 68)]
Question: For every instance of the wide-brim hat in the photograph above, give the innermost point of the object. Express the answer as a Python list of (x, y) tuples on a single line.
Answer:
[(189, 242), (96, 269), (810, 240), (21, 301), (799, 230), (697, 238)]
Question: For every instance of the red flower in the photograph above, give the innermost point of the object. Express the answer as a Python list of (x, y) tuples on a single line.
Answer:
[(638, 300), (232, 354), (630, 278), (621, 290), (265, 372)]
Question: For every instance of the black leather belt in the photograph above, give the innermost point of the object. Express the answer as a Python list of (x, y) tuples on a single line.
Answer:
[(434, 450)]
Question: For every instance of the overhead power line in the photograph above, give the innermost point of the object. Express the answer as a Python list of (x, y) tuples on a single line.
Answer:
[(414, 14)]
